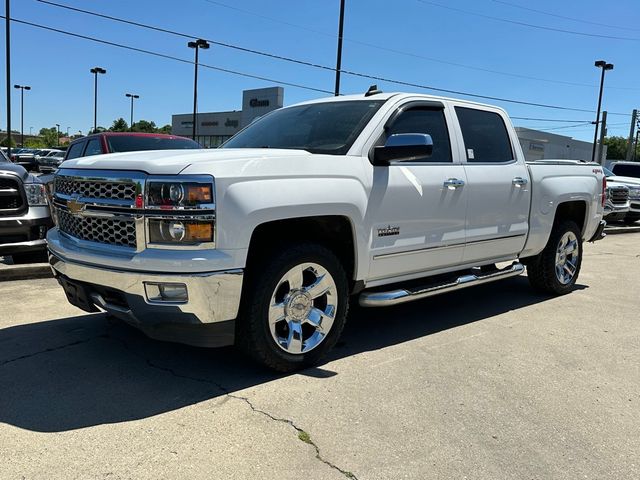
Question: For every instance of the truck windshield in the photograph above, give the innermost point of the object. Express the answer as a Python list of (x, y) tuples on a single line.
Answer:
[(329, 127)]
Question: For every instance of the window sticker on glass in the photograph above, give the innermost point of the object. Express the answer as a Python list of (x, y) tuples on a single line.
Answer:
[(470, 153)]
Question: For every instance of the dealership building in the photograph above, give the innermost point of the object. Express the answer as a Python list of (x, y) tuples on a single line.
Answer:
[(213, 128), (538, 145)]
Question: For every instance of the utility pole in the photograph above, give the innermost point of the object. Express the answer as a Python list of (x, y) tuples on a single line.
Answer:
[(7, 18), (634, 117), (339, 57), (603, 133)]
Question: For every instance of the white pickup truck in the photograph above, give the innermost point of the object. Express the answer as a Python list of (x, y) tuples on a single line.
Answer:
[(387, 197)]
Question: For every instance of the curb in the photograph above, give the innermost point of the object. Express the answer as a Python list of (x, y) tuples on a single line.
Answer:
[(616, 230), (25, 272)]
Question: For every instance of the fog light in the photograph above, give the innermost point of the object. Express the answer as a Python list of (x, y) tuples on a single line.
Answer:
[(166, 292)]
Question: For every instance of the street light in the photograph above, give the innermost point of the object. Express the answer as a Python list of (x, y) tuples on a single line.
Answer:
[(58, 135), (604, 66), (96, 71), (22, 89), (198, 44), (30, 131), (131, 96), (68, 131), (339, 55)]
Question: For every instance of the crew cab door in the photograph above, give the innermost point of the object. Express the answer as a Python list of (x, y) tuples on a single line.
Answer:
[(498, 186), (417, 222)]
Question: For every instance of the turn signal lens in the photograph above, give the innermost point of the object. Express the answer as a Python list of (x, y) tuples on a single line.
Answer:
[(199, 193), (180, 232)]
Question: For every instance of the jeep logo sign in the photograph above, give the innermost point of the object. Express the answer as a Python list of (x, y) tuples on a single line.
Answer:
[(254, 102)]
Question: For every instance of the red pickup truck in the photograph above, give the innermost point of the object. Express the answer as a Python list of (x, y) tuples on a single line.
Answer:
[(111, 142)]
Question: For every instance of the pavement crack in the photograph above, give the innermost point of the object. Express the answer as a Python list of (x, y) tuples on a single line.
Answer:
[(301, 433), (48, 350)]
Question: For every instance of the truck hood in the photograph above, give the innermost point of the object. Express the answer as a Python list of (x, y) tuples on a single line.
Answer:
[(172, 162), (625, 180)]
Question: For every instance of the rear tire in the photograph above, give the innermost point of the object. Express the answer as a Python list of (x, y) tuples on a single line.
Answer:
[(294, 307), (555, 270)]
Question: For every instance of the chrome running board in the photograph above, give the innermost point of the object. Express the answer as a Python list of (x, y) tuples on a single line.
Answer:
[(402, 295)]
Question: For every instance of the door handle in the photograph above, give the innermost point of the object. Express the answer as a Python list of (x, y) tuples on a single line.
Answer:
[(519, 181), (453, 183)]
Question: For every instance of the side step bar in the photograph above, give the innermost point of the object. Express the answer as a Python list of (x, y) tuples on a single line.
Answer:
[(401, 295)]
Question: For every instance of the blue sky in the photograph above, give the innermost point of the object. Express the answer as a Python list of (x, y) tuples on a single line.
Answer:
[(409, 40)]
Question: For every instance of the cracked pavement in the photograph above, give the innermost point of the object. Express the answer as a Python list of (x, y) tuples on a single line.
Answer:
[(492, 382)]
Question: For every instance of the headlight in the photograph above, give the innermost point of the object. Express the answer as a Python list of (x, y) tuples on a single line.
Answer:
[(179, 231), (36, 194), (634, 193), (167, 195)]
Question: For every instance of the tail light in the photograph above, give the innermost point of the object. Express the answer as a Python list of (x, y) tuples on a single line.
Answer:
[(604, 190)]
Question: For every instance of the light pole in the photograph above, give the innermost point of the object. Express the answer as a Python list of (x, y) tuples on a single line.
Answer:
[(68, 131), (30, 131), (7, 31), (131, 96), (96, 71), (22, 88), (604, 66), (58, 134), (339, 56), (198, 44)]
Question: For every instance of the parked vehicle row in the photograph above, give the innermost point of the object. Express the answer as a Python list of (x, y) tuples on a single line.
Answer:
[(623, 192)]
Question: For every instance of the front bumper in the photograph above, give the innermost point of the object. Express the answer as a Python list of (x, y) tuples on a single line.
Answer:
[(206, 318), (25, 233)]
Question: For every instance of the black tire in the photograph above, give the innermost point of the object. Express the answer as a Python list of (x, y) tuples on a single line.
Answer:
[(264, 277), (541, 269), (29, 257)]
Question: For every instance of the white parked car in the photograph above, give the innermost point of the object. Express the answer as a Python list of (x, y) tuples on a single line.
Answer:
[(632, 214), (388, 197)]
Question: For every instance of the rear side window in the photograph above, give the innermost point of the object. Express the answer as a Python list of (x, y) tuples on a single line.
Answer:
[(93, 148), (486, 139), (626, 170), (430, 121), (75, 150)]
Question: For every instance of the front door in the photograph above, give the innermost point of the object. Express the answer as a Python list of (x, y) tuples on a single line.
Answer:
[(417, 209)]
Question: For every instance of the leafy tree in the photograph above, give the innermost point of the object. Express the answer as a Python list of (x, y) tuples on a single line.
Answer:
[(166, 129), (49, 136), (98, 129), (4, 142), (119, 125), (616, 147), (34, 142), (144, 126)]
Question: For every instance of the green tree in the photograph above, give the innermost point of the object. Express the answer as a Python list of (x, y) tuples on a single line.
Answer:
[(34, 142), (98, 129), (166, 129), (4, 142), (119, 125), (144, 126), (616, 147), (49, 136)]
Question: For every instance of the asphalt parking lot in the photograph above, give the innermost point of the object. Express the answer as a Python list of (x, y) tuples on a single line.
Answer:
[(494, 382)]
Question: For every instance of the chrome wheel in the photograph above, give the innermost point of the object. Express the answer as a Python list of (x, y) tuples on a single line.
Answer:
[(303, 308), (567, 256)]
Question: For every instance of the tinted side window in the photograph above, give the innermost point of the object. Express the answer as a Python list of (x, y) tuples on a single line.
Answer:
[(626, 170), (75, 150), (429, 121), (486, 139), (93, 148)]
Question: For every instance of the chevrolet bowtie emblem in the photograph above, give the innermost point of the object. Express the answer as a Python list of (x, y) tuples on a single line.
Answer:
[(75, 207)]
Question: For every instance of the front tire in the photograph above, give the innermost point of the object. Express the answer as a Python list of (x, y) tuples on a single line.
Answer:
[(294, 307), (555, 270)]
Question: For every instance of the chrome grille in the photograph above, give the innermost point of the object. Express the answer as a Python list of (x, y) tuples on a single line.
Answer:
[(10, 197), (95, 189), (111, 231), (619, 195)]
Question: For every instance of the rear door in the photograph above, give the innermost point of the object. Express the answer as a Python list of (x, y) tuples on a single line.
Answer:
[(498, 186)]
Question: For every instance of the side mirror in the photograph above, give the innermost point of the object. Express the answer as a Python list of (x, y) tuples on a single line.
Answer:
[(402, 147)]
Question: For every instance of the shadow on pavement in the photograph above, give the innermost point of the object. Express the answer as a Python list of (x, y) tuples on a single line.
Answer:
[(82, 371)]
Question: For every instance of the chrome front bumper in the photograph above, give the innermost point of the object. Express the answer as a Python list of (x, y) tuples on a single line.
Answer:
[(213, 297)]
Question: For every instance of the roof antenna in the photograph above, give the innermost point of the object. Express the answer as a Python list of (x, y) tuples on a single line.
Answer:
[(373, 90)]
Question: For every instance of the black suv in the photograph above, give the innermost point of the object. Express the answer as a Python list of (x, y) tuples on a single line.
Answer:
[(24, 214)]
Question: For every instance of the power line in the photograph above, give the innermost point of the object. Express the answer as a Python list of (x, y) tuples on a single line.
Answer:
[(548, 120), (324, 67), (565, 17), (524, 24), (311, 64), (169, 57)]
